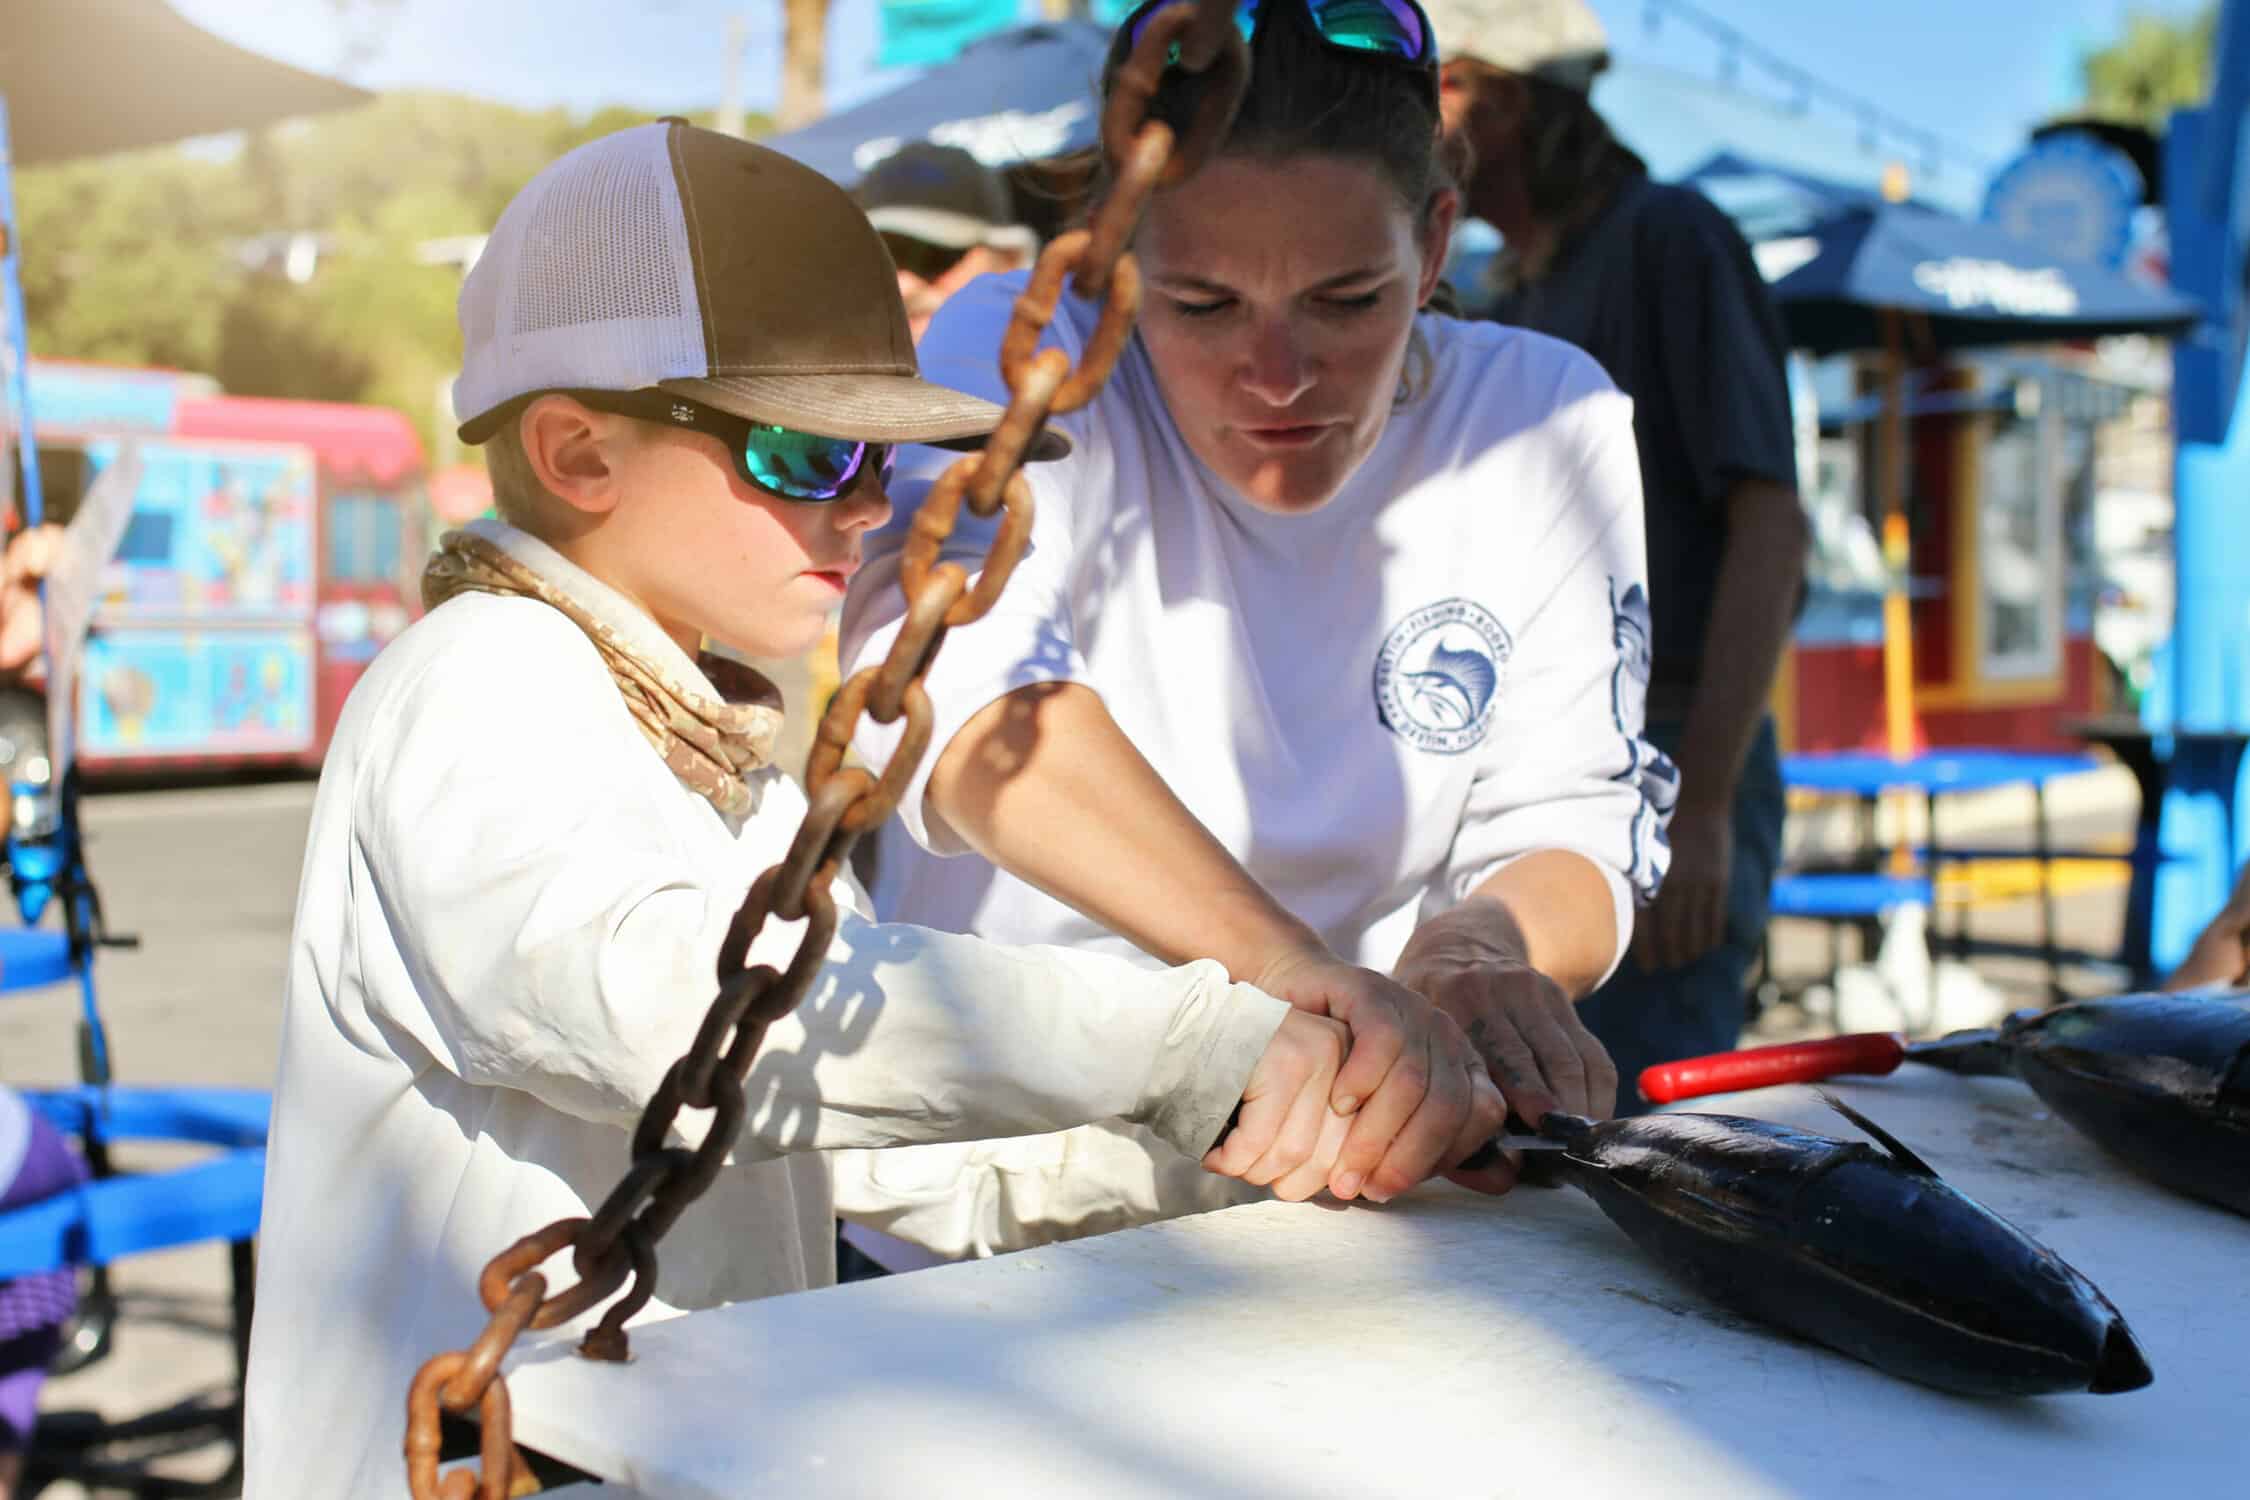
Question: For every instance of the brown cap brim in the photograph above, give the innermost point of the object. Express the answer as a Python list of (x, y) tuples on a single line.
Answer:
[(866, 408)]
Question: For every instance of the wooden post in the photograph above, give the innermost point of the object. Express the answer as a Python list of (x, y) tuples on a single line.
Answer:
[(804, 54), (1898, 616)]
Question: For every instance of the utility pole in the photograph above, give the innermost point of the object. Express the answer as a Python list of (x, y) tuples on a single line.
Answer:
[(730, 92), (804, 48)]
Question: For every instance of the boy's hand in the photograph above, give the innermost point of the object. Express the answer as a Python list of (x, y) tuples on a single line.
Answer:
[(1285, 1136)]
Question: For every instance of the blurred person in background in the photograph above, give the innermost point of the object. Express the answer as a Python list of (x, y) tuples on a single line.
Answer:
[(2221, 955), (1658, 285), (35, 1163), (947, 219), (29, 554)]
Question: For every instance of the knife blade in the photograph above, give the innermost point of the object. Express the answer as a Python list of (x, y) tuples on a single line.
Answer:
[(1488, 1154)]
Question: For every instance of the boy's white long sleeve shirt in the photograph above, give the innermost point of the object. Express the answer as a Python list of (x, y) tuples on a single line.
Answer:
[(507, 931)]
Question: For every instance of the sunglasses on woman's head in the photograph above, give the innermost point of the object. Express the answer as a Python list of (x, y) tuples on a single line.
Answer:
[(1395, 29), (782, 461)]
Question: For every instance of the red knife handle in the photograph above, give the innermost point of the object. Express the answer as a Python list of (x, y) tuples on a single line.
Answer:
[(1866, 1052)]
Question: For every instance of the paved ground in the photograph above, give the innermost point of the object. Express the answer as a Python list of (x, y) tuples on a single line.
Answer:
[(208, 878)]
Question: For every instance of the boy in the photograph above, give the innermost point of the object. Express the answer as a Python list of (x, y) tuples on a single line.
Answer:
[(541, 809)]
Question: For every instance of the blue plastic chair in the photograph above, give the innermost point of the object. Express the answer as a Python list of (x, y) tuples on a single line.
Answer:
[(117, 1214)]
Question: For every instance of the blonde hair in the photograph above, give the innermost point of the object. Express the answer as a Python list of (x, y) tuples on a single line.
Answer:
[(522, 501)]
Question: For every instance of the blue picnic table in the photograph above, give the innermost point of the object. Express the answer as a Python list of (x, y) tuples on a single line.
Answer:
[(1861, 890)]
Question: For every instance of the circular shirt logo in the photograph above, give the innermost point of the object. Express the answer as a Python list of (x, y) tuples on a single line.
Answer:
[(1438, 675)]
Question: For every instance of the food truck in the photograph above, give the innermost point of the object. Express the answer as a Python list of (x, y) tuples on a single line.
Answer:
[(266, 559)]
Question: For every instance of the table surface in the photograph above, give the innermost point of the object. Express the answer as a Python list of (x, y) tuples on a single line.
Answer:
[(1444, 1346), (1962, 769)]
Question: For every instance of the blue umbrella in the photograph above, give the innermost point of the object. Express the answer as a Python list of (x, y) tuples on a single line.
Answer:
[(1768, 200), (1860, 277), (1891, 277), (1012, 97)]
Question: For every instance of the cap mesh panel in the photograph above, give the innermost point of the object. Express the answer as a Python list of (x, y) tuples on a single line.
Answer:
[(586, 281), (598, 250)]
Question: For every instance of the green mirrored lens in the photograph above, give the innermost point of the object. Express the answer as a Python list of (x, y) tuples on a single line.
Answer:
[(1390, 28), (1370, 26), (800, 465)]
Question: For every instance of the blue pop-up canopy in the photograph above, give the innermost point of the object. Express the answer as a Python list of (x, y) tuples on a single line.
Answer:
[(1953, 282), (1022, 94)]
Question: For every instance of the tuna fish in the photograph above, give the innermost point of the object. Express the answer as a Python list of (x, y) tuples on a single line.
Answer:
[(1863, 1250), (2162, 1082)]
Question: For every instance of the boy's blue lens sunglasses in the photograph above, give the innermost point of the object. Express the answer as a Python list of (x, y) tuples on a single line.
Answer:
[(782, 461), (1385, 28)]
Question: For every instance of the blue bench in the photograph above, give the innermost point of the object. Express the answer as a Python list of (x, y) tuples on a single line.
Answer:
[(110, 1218), (1865, 776), (1845, 894), (119, 1214)]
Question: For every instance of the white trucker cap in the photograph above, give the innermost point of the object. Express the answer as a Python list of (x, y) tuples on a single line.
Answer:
[(674, 257)]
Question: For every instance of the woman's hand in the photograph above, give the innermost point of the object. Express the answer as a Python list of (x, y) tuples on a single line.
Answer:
[(1471, 964), (1415, 1093)]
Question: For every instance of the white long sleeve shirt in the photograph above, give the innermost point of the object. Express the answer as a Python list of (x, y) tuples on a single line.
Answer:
[(507, 931), (1373, 706)]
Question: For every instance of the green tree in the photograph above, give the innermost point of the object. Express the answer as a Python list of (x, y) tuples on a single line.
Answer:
[(2161, 63), (170, 257)]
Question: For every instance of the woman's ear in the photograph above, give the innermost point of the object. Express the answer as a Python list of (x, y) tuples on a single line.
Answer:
[(1436, 240), (570, 450)]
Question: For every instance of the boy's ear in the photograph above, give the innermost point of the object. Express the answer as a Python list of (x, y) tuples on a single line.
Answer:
[(569, 447)]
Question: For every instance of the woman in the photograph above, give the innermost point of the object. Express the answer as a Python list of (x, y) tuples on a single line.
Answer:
[(1327, 659)]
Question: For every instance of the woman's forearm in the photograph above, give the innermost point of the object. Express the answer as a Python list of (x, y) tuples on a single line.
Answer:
[(1043, 783), (1559, 909)]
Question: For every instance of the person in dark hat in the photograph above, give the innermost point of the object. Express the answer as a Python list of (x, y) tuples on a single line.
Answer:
[(946, 219), (1656, 283)]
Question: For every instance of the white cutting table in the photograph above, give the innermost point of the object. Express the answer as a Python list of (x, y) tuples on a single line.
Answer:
[(1447, 1345)]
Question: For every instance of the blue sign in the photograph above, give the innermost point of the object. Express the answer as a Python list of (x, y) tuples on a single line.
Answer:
[(2071, 195), (103, 398), (931, 31)]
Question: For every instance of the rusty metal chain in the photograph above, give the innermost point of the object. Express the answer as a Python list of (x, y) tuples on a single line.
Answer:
[(617, 1244)]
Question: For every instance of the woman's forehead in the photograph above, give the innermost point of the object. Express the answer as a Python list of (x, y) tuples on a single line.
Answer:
[(1316, 216)]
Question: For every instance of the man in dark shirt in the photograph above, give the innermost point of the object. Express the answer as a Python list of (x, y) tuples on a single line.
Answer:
[(1656, 283)]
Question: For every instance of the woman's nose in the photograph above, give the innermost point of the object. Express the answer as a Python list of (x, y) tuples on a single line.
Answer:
[(1277, 371)]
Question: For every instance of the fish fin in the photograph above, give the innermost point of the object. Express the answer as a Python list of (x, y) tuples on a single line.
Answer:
[(1884, 1138)]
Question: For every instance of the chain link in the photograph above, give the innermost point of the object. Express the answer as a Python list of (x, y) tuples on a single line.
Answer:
[(616, 1246)]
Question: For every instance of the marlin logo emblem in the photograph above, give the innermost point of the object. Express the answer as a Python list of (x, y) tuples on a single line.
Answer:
[(1455, 687)]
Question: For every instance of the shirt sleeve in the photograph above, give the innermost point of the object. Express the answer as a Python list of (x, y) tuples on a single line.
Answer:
[(1720, 349), (1564, 765), (1027, 638), (566, 945)]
